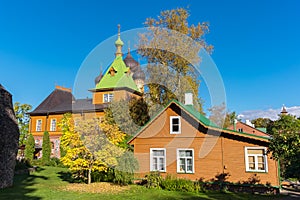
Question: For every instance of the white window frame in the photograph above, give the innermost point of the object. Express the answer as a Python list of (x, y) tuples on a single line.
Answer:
[(108, 97), (152, 156), (256, 159), (171, 125), (178, 161), (53, 127), (38, 126)]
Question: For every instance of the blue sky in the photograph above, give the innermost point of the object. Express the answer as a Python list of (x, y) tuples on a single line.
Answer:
[(257, 45)]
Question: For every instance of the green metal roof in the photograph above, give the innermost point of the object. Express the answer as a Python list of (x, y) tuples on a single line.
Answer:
[(190, 109), (262, 129), (201, 118), (120, 79)]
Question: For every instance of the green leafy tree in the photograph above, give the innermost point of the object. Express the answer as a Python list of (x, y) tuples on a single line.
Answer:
[(285, 144), (229, 119), (22, 117), (29, 148), (46, 148), (263, 123), (171, 47), (128, 115), (124, 171)]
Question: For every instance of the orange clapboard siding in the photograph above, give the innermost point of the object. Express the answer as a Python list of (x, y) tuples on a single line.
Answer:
[(212, 154)]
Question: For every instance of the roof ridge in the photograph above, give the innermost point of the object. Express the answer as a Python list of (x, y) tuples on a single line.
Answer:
[(207, 123)]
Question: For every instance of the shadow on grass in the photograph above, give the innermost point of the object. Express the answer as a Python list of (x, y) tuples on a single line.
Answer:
[(22, 187), (66, 176), (215, 196)]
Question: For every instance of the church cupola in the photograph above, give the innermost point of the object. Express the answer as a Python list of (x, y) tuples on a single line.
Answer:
[(131, 63), (139, 79), (119, 43), (283, 111), (98, 78)]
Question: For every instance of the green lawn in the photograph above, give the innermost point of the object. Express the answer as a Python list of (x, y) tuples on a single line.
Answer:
[(46, 183)]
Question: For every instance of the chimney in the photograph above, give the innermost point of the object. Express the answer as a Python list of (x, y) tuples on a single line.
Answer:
[(234, 124), (188, 98)]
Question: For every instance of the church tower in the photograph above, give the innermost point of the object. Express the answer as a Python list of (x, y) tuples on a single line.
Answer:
[(116, 82), (283, 111)]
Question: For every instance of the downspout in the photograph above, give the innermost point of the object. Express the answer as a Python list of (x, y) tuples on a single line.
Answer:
[(46, 121), (222, 152)]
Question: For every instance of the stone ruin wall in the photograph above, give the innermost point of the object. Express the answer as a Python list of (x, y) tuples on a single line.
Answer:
[(9, 137)]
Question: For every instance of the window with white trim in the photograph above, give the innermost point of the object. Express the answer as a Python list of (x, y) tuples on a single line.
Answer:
[(256, 159), (175, 126), (108, 97), (158, 159), (53, 125), (38, 125), (185, 160)]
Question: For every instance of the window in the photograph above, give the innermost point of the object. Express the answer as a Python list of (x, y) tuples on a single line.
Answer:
[(175, 125), (185, 160), (240, 130), (38, 125), (256, 159), (157, 159), (108, 97), (53, 125)]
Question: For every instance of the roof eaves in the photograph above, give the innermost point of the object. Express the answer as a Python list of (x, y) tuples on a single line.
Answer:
[(207, 124)]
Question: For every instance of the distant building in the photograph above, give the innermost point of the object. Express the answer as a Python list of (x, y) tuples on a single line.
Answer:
[(283, 111), (123, 79), (248, 128)]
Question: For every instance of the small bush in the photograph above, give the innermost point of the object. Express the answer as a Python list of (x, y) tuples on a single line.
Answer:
[(153, 180), (123, 178), (124, 171), (37, 162), (103, 176), (179, 184), (55, 162)]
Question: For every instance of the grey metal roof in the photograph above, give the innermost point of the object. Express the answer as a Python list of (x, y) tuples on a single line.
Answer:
[(61, 101)]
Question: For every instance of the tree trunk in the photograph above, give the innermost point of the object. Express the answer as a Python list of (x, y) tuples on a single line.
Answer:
[(90, 176)]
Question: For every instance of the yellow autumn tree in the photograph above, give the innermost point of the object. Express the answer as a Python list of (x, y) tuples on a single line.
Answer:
[(89, 146), (171, 46)]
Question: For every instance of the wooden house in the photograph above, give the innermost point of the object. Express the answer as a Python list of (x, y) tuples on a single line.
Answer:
[(182, 142)]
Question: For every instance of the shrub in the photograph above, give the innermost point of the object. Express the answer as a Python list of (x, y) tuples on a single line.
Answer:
[(179, 184), (55, 162), (29, 148), (124, 171), (153, 180), (103, 176), (46, 148)]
